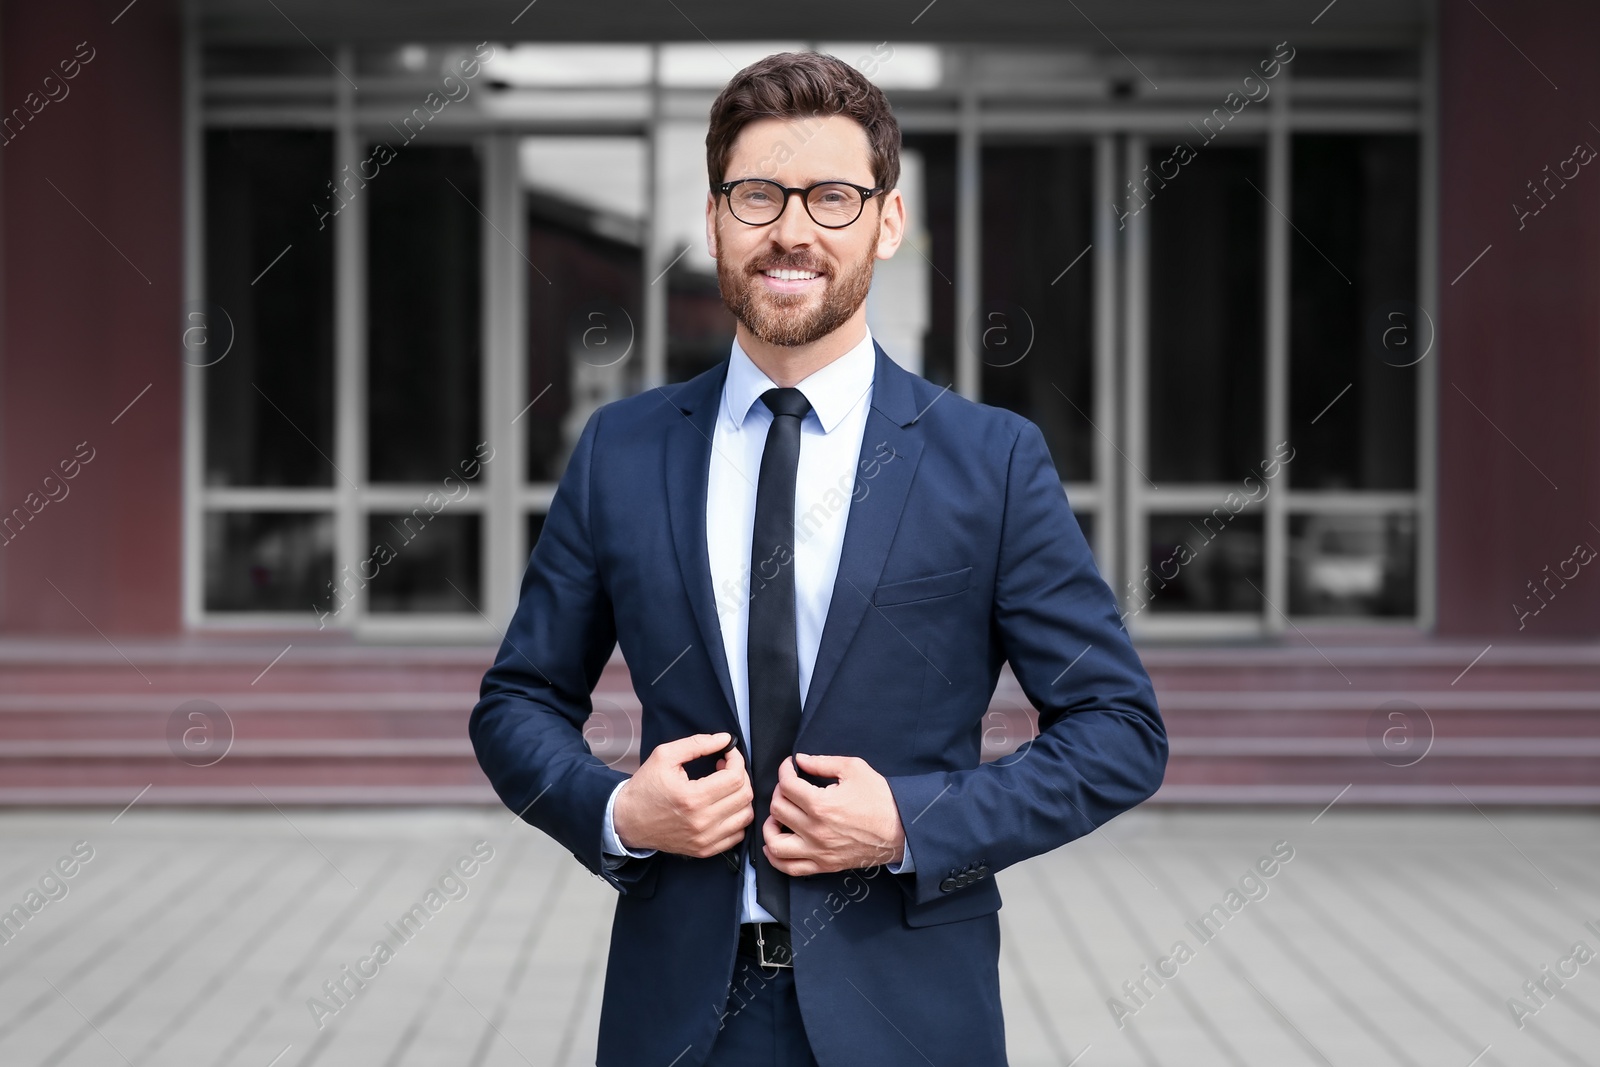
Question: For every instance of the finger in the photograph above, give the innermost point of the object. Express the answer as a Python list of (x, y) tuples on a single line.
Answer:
[(730, 808), (794, 868), (723, 826), (790, 814), (724, 782), (790, 863), (839, 767), (731, 841), (680, 751), (787, 844), (794, 788), (732, 764)]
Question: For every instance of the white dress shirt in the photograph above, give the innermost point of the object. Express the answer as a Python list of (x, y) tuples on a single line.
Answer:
[(840, 395)]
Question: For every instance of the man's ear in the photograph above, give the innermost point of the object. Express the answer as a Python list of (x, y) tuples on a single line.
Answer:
[(711, 223), (891, 224)]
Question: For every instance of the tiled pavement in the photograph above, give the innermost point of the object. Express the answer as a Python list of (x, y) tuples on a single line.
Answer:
[(197, 938)]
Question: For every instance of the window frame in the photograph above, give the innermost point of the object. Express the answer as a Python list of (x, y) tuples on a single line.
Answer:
[(964, 108)]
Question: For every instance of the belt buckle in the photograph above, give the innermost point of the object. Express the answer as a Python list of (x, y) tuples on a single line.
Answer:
[(761, 949)]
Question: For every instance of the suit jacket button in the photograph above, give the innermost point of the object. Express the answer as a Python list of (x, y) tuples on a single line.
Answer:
[(947, 885)]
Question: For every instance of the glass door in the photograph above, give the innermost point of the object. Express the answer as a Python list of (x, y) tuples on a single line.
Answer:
[(1196, 374), (1273, 359)]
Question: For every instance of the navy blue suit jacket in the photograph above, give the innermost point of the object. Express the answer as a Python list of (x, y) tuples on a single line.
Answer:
[(960, 554)]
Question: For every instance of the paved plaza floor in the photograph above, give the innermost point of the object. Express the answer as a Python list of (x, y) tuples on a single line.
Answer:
[(204, 939)]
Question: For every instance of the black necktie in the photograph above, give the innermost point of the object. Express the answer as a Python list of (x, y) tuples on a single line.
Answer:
[(774, 658)]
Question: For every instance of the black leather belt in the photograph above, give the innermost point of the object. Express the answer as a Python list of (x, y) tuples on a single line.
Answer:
[(766, 943)]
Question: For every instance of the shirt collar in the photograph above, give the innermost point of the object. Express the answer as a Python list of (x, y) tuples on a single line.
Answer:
[(833, 391)]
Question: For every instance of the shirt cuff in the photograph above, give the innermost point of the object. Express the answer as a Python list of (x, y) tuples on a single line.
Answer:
[(905, 866), (615, 852)]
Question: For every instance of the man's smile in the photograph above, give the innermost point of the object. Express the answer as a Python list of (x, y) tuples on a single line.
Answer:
[(790, 281)]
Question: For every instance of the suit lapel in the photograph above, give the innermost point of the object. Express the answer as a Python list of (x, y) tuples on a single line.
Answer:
[(687, 464), (891, 445)]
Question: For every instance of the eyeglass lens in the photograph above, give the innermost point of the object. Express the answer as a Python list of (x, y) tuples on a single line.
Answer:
[(758, 201)]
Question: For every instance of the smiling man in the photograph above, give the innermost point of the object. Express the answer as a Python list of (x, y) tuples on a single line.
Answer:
[(805, 856)]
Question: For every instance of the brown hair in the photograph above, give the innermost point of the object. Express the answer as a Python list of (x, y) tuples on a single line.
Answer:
[(803, 85)]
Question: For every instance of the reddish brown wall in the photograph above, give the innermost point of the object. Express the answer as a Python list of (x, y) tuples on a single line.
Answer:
[(1520, 333), (84, 328)]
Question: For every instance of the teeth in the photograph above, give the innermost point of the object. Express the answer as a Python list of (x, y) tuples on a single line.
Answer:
[(790, 275)]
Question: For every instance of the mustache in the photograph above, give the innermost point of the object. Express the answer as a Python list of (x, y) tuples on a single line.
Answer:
[(790, 263)]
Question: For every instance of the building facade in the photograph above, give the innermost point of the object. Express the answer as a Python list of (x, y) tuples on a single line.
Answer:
[(304, 306)]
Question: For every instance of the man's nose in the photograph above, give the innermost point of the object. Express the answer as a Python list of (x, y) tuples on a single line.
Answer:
[(795, 225)]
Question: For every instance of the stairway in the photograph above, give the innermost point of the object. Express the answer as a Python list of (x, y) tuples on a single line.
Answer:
[(323, 723)]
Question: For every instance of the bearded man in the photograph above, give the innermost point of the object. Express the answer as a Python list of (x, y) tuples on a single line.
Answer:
[(805, 858)]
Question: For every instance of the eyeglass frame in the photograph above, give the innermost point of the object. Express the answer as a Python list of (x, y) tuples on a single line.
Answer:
[(726, 188)]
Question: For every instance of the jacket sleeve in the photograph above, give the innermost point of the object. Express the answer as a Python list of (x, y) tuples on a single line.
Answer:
[(1101, 747), (527, 727)]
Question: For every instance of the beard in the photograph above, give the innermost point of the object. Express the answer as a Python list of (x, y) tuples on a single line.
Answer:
[(785, 318)]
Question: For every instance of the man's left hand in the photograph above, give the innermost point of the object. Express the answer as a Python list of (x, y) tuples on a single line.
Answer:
[(850, 823)]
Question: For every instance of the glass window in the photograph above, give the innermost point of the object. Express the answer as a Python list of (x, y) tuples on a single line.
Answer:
[(709, 65), (898, 302), (535, 528), (422, 561), (1353, 565), (1206, 304), (268, 316), (933, 247), (892, 66), (268, 561), (699, 328), (585, 227), (1356, 334), (1036, 317), (1204, 561), (610, 251), (423, 312), (555, 65)]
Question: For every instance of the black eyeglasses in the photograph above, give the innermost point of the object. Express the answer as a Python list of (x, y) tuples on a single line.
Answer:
[(759, 201)]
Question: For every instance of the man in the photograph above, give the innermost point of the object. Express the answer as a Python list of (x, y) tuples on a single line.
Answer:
[(815, 564)]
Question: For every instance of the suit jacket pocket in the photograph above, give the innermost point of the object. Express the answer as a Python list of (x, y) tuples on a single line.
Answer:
[(979, 898), (926, 588)]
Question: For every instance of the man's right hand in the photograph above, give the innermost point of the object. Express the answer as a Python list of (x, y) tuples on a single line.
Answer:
[(662, 808)]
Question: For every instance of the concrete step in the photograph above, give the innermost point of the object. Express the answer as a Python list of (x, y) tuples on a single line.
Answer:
[(319, 723)]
